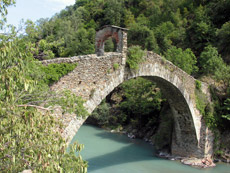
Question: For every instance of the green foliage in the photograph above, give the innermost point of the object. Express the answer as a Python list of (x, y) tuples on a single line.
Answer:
[(210, 60), (115, 66), (113, 12), (163, 26), (139, 106), (110, 45), (142, 36), (3, 10), (142, 99), (186, 60), (223, 74), (71, 103), (164, 34), (53, 72), (201, 101), (154, 25), (129, 18), (135, 57), (102, 113), (30, 138), (206, 109), (70, 159), (226, 109), (223, 43), (29, 141), (218, 10), (200, 32), (198, 85)]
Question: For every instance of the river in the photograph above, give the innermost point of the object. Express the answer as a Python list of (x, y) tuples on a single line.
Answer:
[(115, 153)]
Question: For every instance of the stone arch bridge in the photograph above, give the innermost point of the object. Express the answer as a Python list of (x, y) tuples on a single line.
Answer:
[(96, 76)]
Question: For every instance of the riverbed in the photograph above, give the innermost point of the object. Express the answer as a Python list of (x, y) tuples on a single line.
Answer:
[(116, 153)]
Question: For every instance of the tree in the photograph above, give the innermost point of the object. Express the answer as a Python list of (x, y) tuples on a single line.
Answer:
[(218, 11), (3, 10), (226, 109), (186, 60), (210, 61), (129, 18), (28, 140), (223, 42), (200, 32), (164, 34), (142, 36), (114, 12), (142, 100)]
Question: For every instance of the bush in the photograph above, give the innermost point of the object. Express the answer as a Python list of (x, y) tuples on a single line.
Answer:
[(115, 66), (142, 100), (198, 85), (186, 60), (206, 109), (135, 57), (226, 109), (102, 114), (29, 141), (223, 35), (53, 72), (210, 60), (142, 36)]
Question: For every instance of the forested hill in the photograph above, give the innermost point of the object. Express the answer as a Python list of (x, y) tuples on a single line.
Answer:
[(156, 25), (197, 32)]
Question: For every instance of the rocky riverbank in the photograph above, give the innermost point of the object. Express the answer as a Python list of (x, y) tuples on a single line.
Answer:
[(199, 163)]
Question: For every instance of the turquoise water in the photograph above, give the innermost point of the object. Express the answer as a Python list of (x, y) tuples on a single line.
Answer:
[(115, 153)]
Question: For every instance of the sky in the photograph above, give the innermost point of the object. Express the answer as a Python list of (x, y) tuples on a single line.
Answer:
[(35, 9)]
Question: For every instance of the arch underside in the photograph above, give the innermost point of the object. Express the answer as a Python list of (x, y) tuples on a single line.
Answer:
[(184, 140)]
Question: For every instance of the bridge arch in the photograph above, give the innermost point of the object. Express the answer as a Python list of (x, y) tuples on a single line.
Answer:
[(95, 77), (186, 135)]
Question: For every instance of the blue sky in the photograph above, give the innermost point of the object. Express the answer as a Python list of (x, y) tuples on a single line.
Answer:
[(35, 9)]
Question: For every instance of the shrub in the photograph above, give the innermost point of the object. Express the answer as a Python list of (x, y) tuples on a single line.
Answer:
[(210, 60), (135, 57), (186, 60), (226, 109), (115, 66), (29, 141), (206, 109), (198, 85), (53, 72)]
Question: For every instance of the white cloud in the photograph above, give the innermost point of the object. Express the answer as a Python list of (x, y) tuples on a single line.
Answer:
[(64, 2)]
